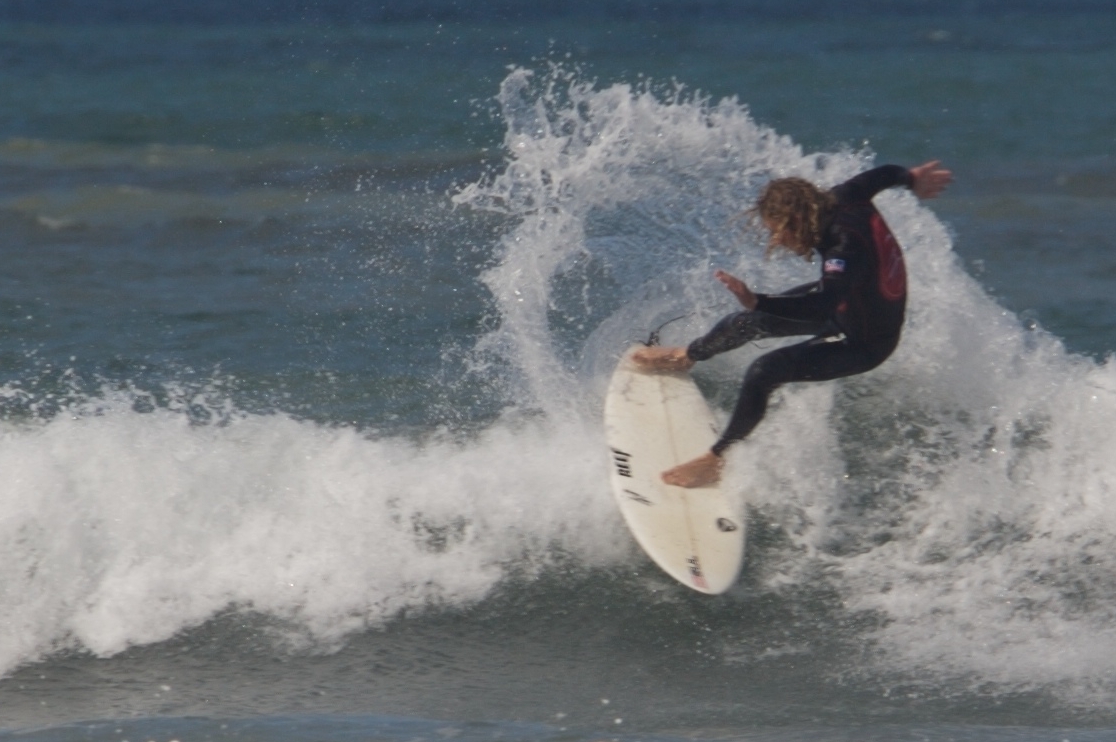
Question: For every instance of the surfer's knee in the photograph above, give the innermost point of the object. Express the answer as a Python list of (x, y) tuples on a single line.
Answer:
[(768, 372)]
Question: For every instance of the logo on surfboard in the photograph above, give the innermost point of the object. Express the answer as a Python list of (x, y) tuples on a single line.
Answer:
[(623, 462), (637, 497)]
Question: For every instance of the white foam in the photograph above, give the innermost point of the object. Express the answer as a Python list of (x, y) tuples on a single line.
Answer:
[(122, 528)]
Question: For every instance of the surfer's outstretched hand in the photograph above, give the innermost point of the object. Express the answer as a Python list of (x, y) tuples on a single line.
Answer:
[(656, 358), (738, 288), (705, 469), (929, 179)]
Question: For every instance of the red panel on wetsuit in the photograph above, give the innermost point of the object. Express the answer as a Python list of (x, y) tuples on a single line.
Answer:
[(893, 274)]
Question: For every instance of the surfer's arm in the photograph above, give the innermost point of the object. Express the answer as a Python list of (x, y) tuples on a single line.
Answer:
[(927, 180), (747, 297), (840, 265), (809, 306), (814, 307), (864, 186), (806, 288)]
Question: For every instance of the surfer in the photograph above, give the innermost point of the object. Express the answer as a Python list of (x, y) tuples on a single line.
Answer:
[(854, 312)]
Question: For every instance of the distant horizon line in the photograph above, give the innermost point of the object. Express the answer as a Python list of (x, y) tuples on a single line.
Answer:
[(221, 12)]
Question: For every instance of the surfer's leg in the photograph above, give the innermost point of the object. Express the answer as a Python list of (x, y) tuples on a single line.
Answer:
[(741, 327), (818, 359), (766, 374), (731, 332)]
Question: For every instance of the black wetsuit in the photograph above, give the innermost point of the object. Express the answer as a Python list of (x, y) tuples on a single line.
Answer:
[(855, 312)]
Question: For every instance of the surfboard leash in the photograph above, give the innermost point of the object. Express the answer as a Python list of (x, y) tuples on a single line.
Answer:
[(653, 338)]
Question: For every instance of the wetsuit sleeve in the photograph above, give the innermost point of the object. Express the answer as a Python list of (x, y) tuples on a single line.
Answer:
[(815, 305), (866, 185), (805, 288)]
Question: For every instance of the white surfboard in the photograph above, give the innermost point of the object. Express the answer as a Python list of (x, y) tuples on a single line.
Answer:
[(654, 421)]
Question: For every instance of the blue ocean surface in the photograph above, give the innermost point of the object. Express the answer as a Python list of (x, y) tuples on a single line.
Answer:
[(306, 314)]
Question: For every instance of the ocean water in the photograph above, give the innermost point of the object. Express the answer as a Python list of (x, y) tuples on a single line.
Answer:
[(306, 314)]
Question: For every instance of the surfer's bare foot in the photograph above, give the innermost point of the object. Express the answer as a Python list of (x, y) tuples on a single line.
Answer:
[(655, 358), (705, 469)]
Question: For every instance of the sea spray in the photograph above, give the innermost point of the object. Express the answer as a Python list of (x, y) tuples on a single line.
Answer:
[(639, 192), (957, 494)]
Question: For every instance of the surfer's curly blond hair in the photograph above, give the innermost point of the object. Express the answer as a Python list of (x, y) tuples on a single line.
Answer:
[(796, 209)]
